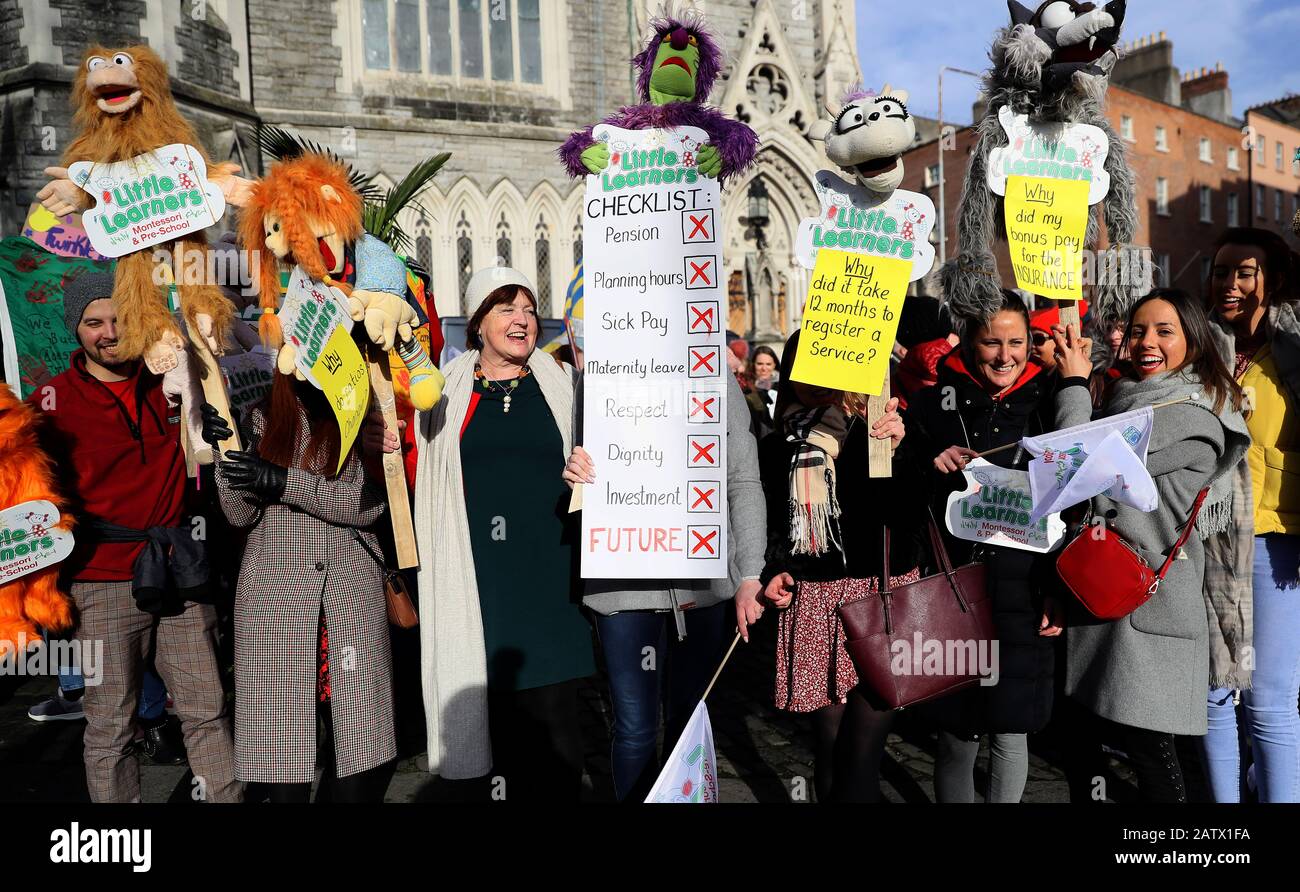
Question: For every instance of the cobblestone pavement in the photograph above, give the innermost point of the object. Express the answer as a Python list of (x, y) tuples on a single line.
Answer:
[(764, 755)]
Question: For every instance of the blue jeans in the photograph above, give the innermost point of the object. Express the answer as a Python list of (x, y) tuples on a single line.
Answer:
[(648, 667), (1272, 720)]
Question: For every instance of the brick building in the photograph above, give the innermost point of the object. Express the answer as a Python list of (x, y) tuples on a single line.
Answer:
[(1188, 152), (1273, 139), (498, 83)]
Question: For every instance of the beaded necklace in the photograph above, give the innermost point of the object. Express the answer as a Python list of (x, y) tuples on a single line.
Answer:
[(505, 389)]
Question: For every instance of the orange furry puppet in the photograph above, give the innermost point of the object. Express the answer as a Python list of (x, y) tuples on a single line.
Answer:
[(306, 212), (32, 602), (124, 108)]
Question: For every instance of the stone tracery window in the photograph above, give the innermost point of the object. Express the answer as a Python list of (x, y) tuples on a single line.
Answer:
[(542, 247), (768, 88), (464, 256), (504, 249)]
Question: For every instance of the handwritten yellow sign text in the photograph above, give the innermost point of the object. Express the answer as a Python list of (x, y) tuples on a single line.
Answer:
[(849, 321), (1047, 220)]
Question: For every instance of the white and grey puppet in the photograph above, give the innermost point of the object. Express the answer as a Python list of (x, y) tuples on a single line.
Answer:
[(868, 137), (1052, 64)]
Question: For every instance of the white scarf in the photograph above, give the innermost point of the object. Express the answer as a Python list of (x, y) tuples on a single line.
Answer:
[(453, 659)]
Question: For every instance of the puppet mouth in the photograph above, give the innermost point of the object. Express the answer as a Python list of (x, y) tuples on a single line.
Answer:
[(876, 166), (326, 254), (676, 60), (115, 99), (1089, 51)]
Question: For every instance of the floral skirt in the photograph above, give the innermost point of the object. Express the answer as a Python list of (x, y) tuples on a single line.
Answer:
[(813, 668)]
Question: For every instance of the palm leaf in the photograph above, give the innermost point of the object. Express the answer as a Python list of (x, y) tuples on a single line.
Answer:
[(281, 145), (381, 214)]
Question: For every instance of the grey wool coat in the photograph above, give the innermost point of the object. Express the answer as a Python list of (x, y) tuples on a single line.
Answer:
[(746, 531), (303, 558), (1148, 669)]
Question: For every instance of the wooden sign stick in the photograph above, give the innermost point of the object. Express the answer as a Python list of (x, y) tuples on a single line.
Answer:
[(214, 387), (210, 376), (1070, 315), (880, 453), (1007, 446), (399, 505)]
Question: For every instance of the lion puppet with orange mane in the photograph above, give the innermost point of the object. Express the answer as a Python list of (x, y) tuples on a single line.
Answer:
[(31, 602), (305, 212), (124, 108)]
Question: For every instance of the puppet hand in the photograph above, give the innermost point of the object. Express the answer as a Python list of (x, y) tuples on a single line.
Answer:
[(356, 307), (384, 314), (60, 196), (286, 360), (237, 190), (208, 331), (595, 157), (710, 161), (160, 357)]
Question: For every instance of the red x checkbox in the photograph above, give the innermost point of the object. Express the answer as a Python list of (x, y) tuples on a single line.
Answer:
[(703, 408), (701, 271), (704, 362), (704, 542), (702, 317), (705, 497), (697, 226), (704, 451)]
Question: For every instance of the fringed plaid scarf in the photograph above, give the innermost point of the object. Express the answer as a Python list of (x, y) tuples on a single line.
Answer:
[(814, 510)]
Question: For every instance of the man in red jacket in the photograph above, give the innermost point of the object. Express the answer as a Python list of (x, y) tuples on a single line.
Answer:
[(117, 442)]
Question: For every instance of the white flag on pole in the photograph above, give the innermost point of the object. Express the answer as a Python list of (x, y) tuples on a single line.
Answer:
[(1105, 456), (691, 774)]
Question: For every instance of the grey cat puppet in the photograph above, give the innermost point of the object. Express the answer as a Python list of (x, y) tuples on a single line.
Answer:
[(1052, 64)]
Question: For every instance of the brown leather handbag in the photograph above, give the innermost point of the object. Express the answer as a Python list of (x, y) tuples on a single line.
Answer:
[(401, 612), (951, 609), (397, 598)]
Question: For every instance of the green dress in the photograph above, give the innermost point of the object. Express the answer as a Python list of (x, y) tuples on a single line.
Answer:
[(523, 540)]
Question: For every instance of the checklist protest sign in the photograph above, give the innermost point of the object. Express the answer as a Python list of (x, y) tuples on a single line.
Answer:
[(654, 392)]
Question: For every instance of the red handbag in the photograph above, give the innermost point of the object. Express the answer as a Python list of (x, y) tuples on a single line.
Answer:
[(1108, 575), (951, 607)]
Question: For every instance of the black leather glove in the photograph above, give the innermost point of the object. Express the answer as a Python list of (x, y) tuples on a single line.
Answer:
[(251, 474), (215, 428)]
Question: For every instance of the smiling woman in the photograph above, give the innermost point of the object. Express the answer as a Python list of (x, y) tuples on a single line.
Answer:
[(497, 590), (1140, 678)]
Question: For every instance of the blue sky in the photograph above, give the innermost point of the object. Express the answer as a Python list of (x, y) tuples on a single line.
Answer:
[(1254, 39)]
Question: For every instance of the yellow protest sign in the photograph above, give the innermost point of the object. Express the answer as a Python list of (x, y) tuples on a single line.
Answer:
[(1046, 222), (850, 319), (341, 372)]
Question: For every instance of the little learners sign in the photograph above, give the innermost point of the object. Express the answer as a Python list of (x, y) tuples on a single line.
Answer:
[(149, 199), (29, 540)]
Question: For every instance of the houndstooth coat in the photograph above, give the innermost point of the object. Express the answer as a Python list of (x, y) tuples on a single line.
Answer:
[(302, 557)]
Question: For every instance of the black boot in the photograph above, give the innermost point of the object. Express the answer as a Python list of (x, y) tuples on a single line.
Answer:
[(162, 742)]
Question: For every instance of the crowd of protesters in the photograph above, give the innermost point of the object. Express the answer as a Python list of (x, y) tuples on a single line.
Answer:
[(508, 629)]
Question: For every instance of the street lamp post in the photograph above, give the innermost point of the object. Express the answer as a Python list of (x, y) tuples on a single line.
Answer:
[(943, 222)]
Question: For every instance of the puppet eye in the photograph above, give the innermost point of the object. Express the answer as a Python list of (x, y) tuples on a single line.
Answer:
[(275, 227), (1055, 15), (122, 59), (692, 40), (849, 121), (95, 62)]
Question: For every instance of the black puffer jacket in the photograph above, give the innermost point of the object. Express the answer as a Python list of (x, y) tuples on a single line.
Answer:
[(958, 411)]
